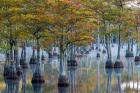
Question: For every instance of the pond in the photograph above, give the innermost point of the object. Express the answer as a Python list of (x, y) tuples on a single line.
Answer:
[(89, 77)]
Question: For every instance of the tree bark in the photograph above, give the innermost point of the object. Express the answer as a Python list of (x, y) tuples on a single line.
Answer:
[(119, 84), (119, 43), (137, 53), (129, 42), (38, 50), (61, 56)]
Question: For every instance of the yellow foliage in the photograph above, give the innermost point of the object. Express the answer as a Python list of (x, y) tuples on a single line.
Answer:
[(2, 85)]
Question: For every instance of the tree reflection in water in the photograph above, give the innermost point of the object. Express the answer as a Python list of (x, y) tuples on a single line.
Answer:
[(38, 88), (24, 79), (88, 77), (137, 66), (72, 76), (130, 70), (12, 86), (118, 72), (63, 90), (109, 75), (98, 76), (38, 78)]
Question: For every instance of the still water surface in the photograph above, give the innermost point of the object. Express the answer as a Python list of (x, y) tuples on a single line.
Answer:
[(89, 77)]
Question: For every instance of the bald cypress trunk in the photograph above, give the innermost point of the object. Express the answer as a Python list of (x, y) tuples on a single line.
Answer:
[(129, 48), (61, 56), (108, 48), (119, 43), (137, 53), (38, 49)]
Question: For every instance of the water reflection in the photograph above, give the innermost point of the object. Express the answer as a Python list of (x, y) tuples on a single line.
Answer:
[(130, 72), (24, 79), (63, 90), (72, 76), (88, 77), (118, 73), (38, 88), (98, 76), (109, 79), (12, 86), (137, 69)]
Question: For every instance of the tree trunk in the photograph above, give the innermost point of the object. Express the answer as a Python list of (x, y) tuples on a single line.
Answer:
[(129, 42), (61, 57), (119, 84), (38, 50), (132, 43), (137, 53), (108, 48), (72, 52), (119, 43), (24, 51), (98, 41)]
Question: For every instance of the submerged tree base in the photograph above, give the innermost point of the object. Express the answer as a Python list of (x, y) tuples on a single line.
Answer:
[(104, 51), (72, 63), (12, 76), (63, 81), (137, 60), (43, 58), (118, 64), (23, 64), (112, 45), (118, 71), (33, 60), (98, 55), (87, 52), (37, 78), (96, 48), (19, 71), (109, 64), (10, 73), (99, 49), (92, 48), (6, 71), (129, 54)]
